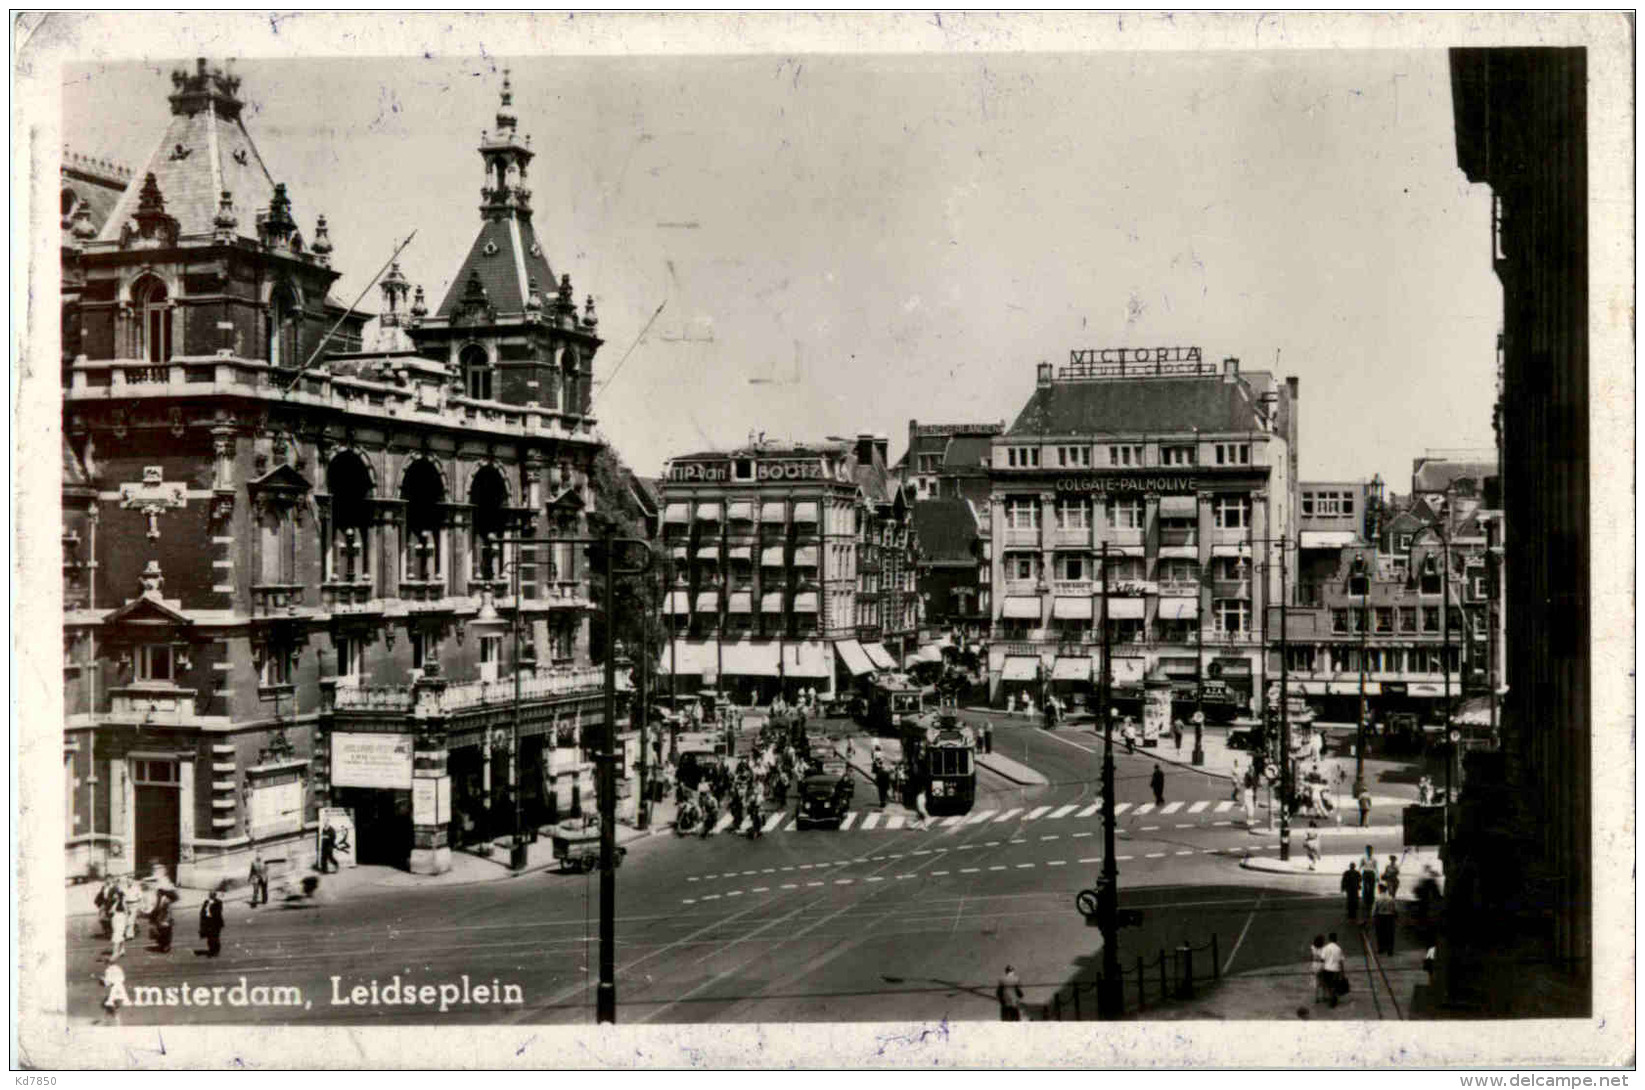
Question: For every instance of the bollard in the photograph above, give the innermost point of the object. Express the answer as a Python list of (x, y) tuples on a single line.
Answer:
[(1216, 959), (1187, 971), (1056, 1006)]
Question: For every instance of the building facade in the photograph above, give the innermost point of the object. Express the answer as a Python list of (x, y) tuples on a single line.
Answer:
[(278, 571), (1185, 471), (948, 461), (788, 566)]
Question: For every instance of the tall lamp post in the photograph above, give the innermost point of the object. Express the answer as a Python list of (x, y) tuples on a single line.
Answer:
[(1198, 757), (1111, 999), (1445, 664), (1363, 575)]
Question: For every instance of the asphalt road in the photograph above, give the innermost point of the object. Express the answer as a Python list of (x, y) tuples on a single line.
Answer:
[(860, 924)]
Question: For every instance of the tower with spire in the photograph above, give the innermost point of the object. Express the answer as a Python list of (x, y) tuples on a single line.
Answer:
[(509, 328)]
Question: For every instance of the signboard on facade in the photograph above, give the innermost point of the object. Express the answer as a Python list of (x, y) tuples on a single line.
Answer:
[(276, 806), (442, 801), (1107, 484), (763, 470), (371, 760), (424, 802)]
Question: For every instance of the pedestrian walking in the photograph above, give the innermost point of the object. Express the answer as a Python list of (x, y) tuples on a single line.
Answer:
[(756, 823), (1250, 803), (1350, 890), (919, 807), (1009, 993), (1333, 963), (882, 780), (1322, 983), (258, 879), (211, 923), (104, 902), (1383, 916), (328, 850), (1390, 876), (1368, 885), (1157, 782), (1176, 733), (119, 920), (1311, 843), (711, 813), (1364, 806), (114, 979)]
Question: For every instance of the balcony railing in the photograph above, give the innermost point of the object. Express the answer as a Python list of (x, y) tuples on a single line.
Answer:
[(349, 597), (1028, 587), (269, 599), (1080, 535), (160, 704), (1179, 588), (537, 684), (1018, 536), (422, 590), (1074, 588)]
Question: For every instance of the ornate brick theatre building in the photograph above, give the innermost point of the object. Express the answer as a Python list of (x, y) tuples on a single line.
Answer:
[(273, 573), (1186, 470)]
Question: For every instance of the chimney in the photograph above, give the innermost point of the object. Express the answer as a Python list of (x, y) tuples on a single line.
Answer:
[(882, 443), (1230, 369), (865, 449), (1044, 378)]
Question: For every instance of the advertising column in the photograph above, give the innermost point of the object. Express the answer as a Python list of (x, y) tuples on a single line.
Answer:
[(430, 836)]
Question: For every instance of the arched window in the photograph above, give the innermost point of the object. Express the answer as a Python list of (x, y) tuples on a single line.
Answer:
[(150, 302), (476, 367), (488, 495), (348, 538), (424, 494), (284, 316)]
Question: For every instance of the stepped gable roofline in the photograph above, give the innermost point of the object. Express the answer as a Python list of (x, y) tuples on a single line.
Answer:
[(204, 152), (1126, 408)]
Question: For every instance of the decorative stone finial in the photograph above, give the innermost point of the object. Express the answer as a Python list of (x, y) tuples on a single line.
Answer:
[(533, 299), (419, 308), (589, 318), (224, 223), (321, 247), (152, 579)]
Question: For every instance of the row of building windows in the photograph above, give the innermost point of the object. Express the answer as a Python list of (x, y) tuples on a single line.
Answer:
[(1388, 619), (1023, 513), (1345, 658), (1079, 567), (1127, 455), (1326, 502), (1229, 617)]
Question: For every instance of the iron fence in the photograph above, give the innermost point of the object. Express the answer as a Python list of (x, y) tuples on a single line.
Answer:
[(1173, 974)]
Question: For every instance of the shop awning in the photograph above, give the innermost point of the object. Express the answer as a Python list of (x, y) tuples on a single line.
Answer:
[(708, 601), (740, 552), (771, 601), (679, 601), (805, 602), (678, 513), (771, 556), (1178, 609), (1021, 608), (931, 652), (740, 509), (1119, 550), (854, 657), (1071, 609), (1179, 552), (709, 512), (1071, 669), (808, 660), (773, 511), (741, 601), (1241, 549), (1020, 668), (1329, 539), (1126, 608), (1178, 507), (688, 657), (708, 552), (805, 556), (1475, 712), (680, 552), (805, 512), (749, 659), (879, 656), (1128, 670)]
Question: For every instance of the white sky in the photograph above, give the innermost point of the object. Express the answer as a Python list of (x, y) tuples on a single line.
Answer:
[(885, 237)]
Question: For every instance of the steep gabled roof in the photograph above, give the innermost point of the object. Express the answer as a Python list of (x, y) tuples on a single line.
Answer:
[(1128, 408), (504, 259), (946, 531), (966, 454)]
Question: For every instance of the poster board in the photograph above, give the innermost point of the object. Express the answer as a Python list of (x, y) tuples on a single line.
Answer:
[(1156, 712), (341, 819), (424, 801), (276, 805), (371, 760)]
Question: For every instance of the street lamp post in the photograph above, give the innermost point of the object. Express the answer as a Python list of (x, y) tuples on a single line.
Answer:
[(1111, 998), (1362, 573), (1285, 786), (1445, 665), (1198, 757)]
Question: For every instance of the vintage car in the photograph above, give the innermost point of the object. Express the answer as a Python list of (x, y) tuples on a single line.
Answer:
[(825, 794)]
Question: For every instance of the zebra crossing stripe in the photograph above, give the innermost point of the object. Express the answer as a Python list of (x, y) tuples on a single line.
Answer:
[(1009, 814), (1224, 806), (1038, 811), (1121, 807), (1198, 806), (978, 818), (773, 821), (850, 820), (723, 824), (1061, 811), (872, 821), (1089, 810), (1171, 808), (1141, 810), (894, 821), (957, 819)]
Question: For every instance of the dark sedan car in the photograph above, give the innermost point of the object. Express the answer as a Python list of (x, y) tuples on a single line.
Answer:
[(825, 795)]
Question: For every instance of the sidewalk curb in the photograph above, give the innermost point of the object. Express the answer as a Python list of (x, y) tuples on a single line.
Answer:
[(982, 759)]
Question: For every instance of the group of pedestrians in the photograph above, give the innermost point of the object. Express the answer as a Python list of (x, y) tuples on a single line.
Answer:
[(123, 902)]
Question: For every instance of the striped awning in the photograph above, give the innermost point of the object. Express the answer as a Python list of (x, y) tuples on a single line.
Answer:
[(1071, 668), (1071, 609), (805, 602), (708, 552), (1179, 552), (1240, 549), (708, 601), (1178, 507), (854, 657), (771, 601), (680, 552), (708, 511), (805, 511), (740, 601), (773, 511), (677, 513), (740, 509), (771, 556), (879, 656), (1178, 609), (740, 552), (805, 556), (1126, 608)]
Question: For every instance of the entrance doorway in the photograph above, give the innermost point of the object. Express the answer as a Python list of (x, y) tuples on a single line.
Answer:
[(158, 803), (382, 824)]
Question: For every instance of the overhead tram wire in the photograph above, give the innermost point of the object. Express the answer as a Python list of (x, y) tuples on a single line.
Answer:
[(298, 374), (643, 331)]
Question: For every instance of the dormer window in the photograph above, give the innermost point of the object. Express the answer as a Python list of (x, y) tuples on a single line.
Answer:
[(150, 300), (156, 664)]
